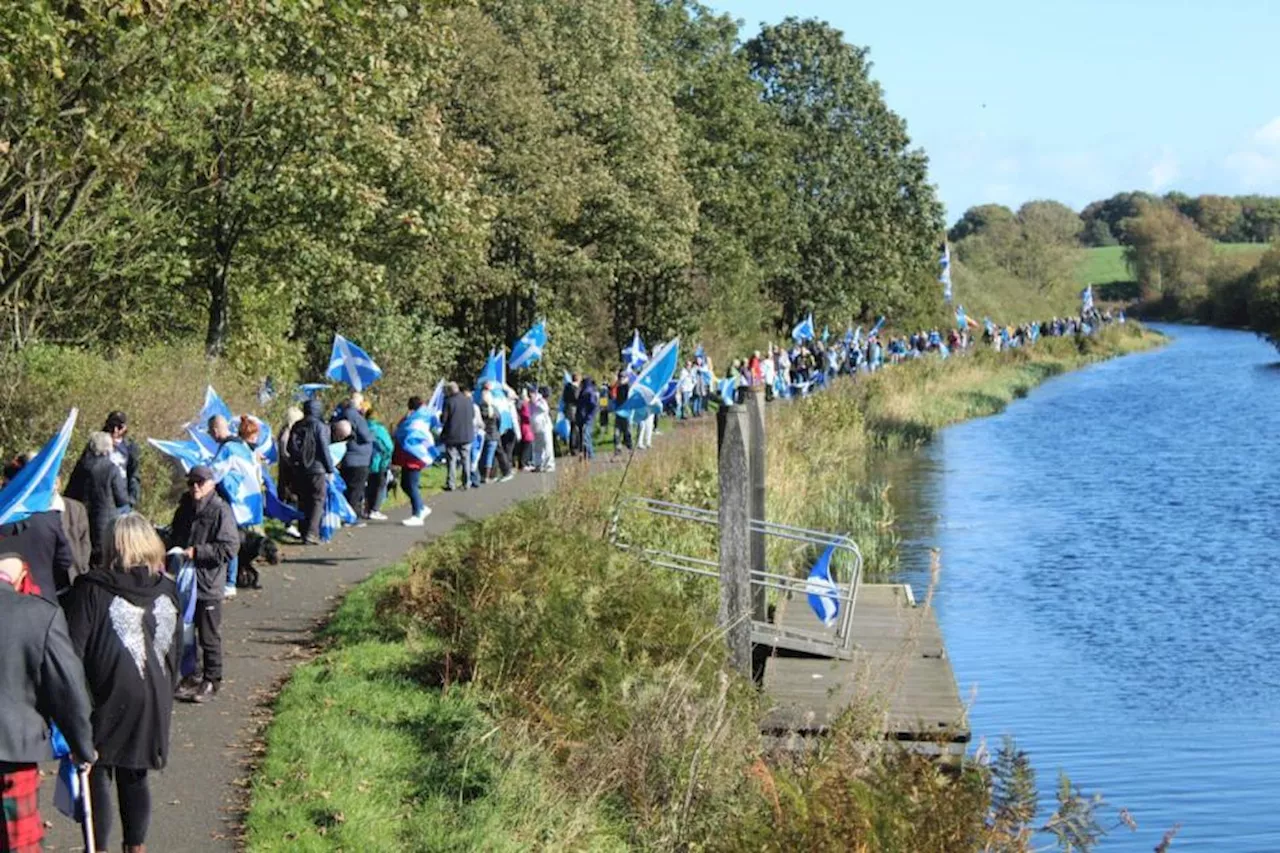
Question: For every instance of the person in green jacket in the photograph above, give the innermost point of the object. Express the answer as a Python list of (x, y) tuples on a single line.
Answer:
[(376, 489)]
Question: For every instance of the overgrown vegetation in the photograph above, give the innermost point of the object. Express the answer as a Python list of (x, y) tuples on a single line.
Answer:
[(521, 684)]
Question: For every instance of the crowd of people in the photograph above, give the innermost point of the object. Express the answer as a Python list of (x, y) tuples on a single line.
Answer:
[(92, 616)]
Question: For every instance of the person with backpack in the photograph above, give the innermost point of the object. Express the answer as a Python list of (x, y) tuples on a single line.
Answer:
[(354, 468), (379, 465), (308, 451), (124, 624)]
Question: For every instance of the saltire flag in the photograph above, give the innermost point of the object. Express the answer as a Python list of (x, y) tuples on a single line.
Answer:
[(669, 392), (961, 320), (727, 388), (413, 436), (435, 407), (213, 405), (33, 488), (67, 796), (208, 444), (275, 508), (183, 572), (337, 511), (780, 386), (875, 330), (1086, 300), (352, 365), (634, 354), (821, 590), (495, 371), (945, 275), (235, 470), (645, 391), (188, 453), (803, 330), (529, 348)]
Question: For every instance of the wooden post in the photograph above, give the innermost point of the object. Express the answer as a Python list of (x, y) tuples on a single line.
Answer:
[(756, 459), (732, 429)]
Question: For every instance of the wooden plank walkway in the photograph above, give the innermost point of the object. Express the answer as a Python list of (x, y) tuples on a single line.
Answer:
[(899, 663)]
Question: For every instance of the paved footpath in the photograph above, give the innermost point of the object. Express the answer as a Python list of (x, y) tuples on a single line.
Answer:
[(197, 799)]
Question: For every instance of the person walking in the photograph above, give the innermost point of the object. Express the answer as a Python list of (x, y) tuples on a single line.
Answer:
[(287, 472), (411, 468), (379, 467), (355, 464), (205, 528), (544, 448), (621, 421), (309, 459), (41, 678), (495, 449), (125, 625), (524, 411), (585, 417), (98, 483), (457, 434), (569, 400)]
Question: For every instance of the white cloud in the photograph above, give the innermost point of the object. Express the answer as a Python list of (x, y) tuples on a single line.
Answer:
[(1164, 171), (1269, 134)]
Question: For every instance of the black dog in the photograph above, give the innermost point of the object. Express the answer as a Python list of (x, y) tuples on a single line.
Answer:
[(255, 546)]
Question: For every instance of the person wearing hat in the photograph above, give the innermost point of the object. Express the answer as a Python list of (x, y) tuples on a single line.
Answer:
[(124, 454), (41, 678), (205, 528)]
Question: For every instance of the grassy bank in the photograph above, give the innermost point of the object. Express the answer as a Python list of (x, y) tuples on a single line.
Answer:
[(522, 685)]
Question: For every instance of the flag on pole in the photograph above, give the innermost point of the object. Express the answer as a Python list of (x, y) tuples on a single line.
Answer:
[(213, 405), (188, 453), (875, 330), (649, 385), (1086, 300), (634, 355), (529, 348), (803, 330), (352, 365), (33, 488), (822, 592), (945, 275), (435, 407)]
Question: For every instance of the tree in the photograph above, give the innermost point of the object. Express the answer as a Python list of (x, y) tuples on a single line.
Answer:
[(1168, 254), (1218, 216), (1115, 210), (979, 219), (1098, 233), (871, 222)]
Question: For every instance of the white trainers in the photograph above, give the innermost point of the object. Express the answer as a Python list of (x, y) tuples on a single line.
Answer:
[(293, 531), (426, 510), (228, 591), (507, 478), (377, 516), (413, 521)]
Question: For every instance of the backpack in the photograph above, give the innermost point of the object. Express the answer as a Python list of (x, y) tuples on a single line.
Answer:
[(302, 445)]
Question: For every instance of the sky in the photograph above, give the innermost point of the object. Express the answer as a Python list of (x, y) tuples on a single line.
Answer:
[(1015, 100)]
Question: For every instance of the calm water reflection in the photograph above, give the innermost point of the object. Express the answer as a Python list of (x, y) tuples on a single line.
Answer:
[(1109, 592)]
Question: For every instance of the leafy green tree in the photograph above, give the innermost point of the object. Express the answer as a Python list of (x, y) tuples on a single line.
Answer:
[(979, 220), (1217, 216), (1168, 254)]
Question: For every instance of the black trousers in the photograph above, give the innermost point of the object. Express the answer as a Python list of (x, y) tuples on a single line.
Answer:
[(311, 490), (135, 804), (209, 637), (356, 479)]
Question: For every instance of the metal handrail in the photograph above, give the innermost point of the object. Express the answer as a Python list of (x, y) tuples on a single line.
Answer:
[(788, 584)]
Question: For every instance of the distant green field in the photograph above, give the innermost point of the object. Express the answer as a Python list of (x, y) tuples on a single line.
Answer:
[(1105, 265)]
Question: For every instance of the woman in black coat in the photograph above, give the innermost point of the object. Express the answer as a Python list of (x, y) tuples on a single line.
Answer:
[(125, 624), (99, 484)]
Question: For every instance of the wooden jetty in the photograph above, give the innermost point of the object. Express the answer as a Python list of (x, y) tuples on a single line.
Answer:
[(898, 665)]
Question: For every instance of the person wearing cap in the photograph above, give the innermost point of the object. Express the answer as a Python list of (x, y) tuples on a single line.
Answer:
[(41, 678), (205, 528), (124, 454)]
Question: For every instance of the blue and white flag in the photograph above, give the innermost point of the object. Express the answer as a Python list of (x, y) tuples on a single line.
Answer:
[(945, 275), (337, 510), (634, 355), (208, 444), (68, 797), (265, 446), (988, 326), (875, 330), (700, 352), (822, 592), (188, 453), (33, 488), (803, 330), (274, 507), (413, 436), (213, 405), (236, 472), (352, 365), (646, 390), (529, 348), (727, 388), (435, 407), (962, 321), (495, 371), (1086, 300), (308, 390), (826, 333)]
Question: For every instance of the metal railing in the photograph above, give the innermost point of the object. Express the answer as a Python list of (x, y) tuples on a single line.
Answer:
[(827, 642)]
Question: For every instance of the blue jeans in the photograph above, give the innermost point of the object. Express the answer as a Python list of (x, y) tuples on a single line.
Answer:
[(409, 480), (487, 455), (588, 441), (233, 570)]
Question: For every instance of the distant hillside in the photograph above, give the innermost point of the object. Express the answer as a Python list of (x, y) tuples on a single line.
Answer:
[(1105, 268)]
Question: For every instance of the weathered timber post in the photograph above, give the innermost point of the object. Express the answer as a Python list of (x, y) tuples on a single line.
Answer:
[(756, 461), (733, 433)]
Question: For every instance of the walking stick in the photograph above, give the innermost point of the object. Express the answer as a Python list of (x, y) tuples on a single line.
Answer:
[(90, 844)]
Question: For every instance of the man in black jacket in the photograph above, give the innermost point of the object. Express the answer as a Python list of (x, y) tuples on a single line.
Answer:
[(205, 528), (41, 678), (457, 433), (308, 452)]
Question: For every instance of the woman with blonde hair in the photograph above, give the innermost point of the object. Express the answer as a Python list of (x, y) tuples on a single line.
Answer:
[(125, 625)]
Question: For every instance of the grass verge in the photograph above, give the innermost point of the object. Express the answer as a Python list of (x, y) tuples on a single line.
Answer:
[(522, 685)]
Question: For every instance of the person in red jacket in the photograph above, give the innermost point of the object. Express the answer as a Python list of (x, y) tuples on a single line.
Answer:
[(411, 473)]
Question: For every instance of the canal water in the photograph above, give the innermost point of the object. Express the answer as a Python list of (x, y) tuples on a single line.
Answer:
[(1110, 591)]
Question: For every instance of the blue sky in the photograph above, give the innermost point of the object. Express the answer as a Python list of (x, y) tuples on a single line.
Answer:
[(1071, 101)]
